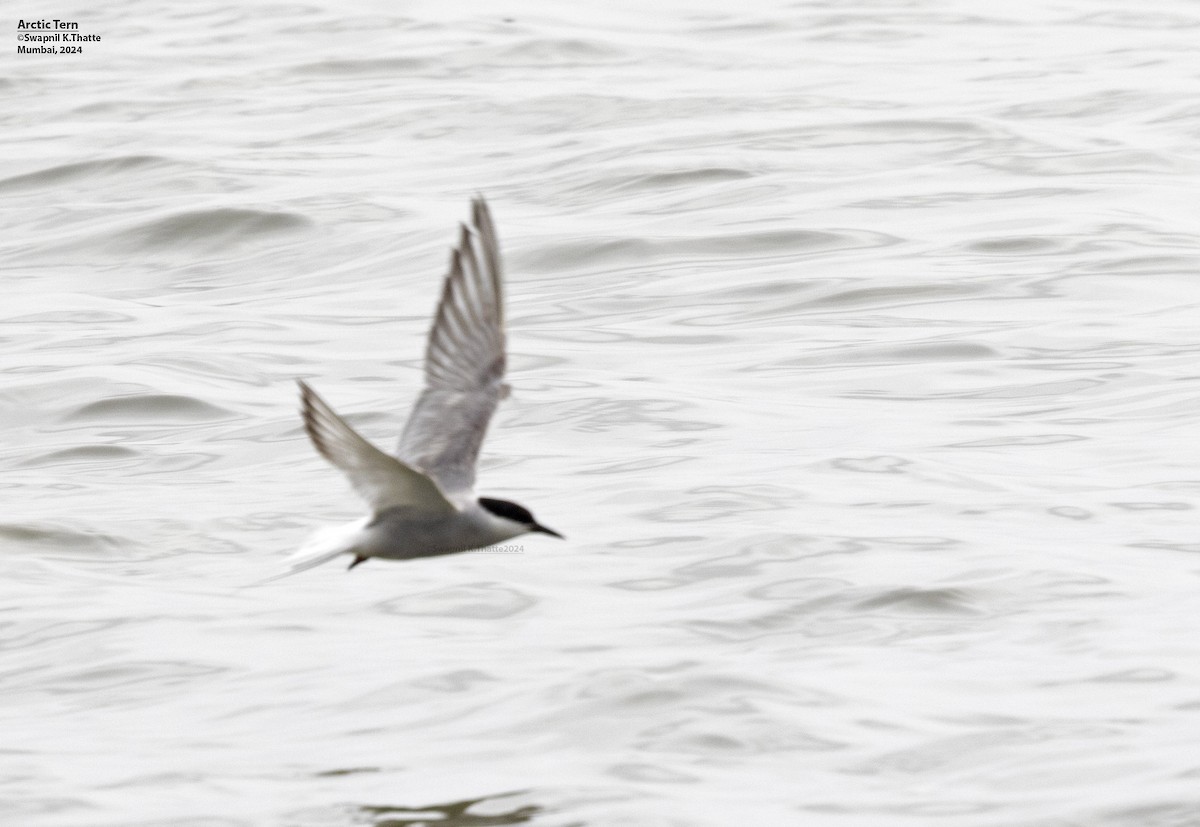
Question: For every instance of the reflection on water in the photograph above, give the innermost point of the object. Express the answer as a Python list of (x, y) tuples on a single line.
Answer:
[(491, 811)]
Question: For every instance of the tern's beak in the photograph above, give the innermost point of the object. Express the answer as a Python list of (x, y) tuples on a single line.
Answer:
[(541, 529)]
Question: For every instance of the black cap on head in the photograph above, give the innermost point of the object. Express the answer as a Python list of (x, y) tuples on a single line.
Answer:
[(517, 513)]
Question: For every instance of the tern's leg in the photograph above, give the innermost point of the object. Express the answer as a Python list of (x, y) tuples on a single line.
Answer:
[(358, 558)]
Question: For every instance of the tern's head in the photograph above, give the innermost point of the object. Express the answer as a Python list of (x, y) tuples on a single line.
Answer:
[(514, 513)]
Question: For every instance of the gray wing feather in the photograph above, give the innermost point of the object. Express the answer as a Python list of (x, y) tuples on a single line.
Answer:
[(464, 362), (382, 480)]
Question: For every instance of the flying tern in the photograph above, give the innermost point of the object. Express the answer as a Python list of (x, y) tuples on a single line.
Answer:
[(421, 499)]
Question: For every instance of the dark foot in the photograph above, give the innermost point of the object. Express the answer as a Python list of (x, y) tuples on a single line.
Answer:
[(358, 558)]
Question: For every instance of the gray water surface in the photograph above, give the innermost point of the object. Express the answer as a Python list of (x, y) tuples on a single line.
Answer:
[(854, 351)]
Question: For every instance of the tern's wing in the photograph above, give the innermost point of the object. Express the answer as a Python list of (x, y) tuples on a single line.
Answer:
[(382, 480), (464, 363)]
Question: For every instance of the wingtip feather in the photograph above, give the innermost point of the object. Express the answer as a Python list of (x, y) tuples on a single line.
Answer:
[(310, 413)]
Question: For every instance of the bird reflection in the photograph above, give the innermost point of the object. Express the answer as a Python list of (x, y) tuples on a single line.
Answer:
[(456, 814)]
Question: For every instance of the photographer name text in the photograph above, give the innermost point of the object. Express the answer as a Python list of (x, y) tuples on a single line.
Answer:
[(51, 37)]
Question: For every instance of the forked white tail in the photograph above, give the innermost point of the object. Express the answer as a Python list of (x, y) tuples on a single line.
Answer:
[(322, 547)]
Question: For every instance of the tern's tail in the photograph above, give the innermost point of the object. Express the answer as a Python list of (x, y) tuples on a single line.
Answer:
[(322, 547)]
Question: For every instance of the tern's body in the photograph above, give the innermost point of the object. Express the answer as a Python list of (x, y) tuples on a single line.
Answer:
[(404, 533), (422, 499)]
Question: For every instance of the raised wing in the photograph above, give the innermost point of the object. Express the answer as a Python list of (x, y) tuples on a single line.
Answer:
[(464, 363), (382, 480)]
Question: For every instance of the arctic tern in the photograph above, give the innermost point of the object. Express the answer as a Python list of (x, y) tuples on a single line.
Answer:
[(422, 499)]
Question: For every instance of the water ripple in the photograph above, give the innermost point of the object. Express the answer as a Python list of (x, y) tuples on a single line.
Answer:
[(481, 601)]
